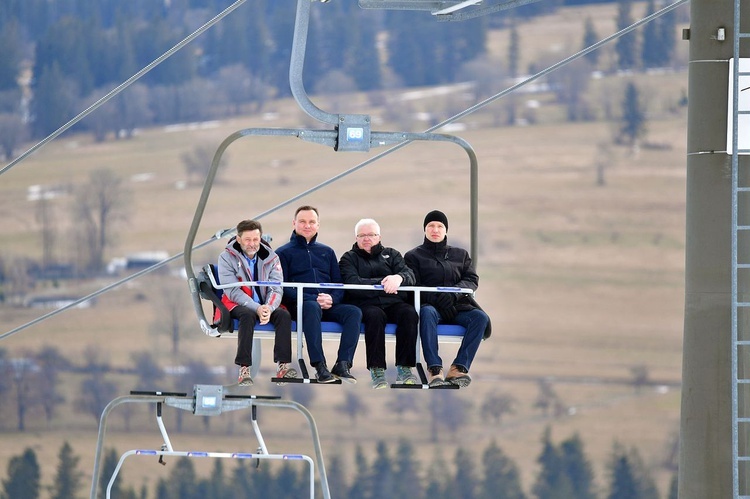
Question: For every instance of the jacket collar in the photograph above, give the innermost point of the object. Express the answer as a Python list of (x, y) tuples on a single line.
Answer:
[(376, 250), (300, 240), (262, 253), (435, 247)]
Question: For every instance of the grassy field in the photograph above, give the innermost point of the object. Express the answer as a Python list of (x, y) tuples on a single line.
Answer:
[(584, 282)]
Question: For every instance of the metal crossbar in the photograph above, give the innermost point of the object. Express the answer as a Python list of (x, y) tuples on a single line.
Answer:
[(228, 403)]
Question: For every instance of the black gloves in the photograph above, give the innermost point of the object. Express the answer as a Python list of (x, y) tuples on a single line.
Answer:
[(444, 300), (445, 303)]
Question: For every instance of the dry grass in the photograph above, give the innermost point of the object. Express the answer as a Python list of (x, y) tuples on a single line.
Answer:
[(583, 282)]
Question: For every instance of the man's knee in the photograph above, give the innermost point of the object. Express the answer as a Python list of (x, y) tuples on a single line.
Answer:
[(373, 315), (311, 309), (428, 312), (282, 318)]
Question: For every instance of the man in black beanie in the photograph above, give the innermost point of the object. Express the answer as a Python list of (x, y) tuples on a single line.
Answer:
[(436, 264)]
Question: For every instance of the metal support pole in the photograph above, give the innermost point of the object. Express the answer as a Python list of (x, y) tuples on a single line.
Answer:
[(705, 423)]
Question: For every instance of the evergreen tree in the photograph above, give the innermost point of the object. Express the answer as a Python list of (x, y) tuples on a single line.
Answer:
[(111, 458), (216, 485), (67, 481), (514, 52), (24, 477), (182, 481), (336, 474), (651, 56), (667, 37), (552, 482), (361, 482), (578, 468), (437, 487), (465, 482), (241, 484), (53, 101), (281, 26), (625, 46), (66, 45), (633, 120), (292, 480), (501, 476), (629, 477), (408, 56), (10, 62), (406, 469), (672, 494), (381, 474), (622, 484), (590, 37), (361, 59)]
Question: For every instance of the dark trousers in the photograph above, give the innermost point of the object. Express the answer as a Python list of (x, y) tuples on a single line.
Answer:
[(282, 345), (406, 319), (349, 316)]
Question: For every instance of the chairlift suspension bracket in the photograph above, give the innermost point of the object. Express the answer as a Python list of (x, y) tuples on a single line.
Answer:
[(210, 400)]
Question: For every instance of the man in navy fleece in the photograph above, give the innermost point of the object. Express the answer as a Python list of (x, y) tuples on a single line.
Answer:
[(304, 259)]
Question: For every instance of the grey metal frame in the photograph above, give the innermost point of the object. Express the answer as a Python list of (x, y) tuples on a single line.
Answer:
[(188, 403)]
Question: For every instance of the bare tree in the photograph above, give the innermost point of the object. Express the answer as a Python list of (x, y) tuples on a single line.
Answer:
[(50, 362), (13, 131), (25, 373), (95, 392), (403, 402), (570, 84), (18, 281), (97, 208), (133, 110), (241, 87), (198, 162), (104, 119), (334, 85), (604, 159), (171, 305), (45, 217), (486, 75), (352, 406), (6, 375), (147, 370), (448, 411), (547, 399), (498, 405), (639, 375)]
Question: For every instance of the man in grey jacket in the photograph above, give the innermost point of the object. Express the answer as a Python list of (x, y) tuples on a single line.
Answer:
[(248, 258)]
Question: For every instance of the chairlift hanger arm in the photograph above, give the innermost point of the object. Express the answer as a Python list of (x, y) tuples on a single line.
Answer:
[(317, 136)]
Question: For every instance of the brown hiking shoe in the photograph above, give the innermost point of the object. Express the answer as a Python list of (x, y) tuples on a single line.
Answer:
[(435, 376), (458, 376)]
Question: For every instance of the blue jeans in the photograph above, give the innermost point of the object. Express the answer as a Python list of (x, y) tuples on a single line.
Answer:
[(475, 321), (349, 316)]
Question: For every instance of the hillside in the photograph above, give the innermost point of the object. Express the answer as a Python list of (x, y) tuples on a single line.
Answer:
[(584, 282)]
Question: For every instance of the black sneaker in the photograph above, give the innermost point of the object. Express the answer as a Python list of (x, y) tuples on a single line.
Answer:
[(323, 375), (341, 371)]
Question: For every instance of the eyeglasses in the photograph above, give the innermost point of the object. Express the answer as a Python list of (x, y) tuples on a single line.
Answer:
[(371, 236)]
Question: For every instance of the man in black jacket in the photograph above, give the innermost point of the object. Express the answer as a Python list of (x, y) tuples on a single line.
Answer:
[(435, 263), (369, 262)]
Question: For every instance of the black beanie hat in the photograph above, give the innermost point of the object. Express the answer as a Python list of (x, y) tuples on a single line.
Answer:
[(436, 216)]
